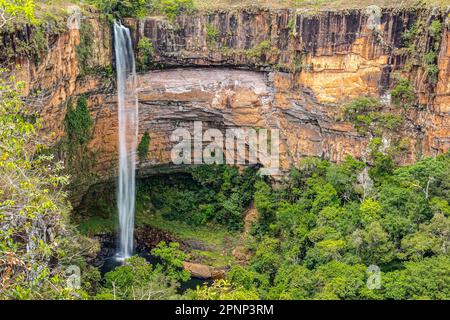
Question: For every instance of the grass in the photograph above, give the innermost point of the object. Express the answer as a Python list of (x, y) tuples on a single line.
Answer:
[(97, 225), (212, 258), (216, 242)]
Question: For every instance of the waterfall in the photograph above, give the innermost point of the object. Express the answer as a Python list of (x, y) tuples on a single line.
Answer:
[(128, 130)]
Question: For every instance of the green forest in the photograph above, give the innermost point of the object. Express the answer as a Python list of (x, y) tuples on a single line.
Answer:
[(358, 229)]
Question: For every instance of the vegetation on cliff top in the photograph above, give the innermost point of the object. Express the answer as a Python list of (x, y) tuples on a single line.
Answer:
[(313, 4), (141, 8), (43, 25)]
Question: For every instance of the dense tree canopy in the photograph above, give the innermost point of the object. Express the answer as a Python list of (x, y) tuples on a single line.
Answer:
[(319, 233)]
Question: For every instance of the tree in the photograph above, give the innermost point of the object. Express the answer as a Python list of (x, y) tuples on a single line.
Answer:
[(267, 257), (337, 280), (137, 280), (325, 251), (371, 211), (223, 290), (248, 279), (403, 94), (426, 279), (142, 149), (326, 196), (171, 261), (432, 238), (18, 10), (36, 239), (293, 282), (373, 244), (265, 204), (78, 122)]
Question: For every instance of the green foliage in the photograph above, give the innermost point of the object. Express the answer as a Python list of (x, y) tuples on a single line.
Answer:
[(367, 115), (24, 34), (142, 149), (17, 10), (136, 280), (212, 35), (292, 26), (172, 8), (85, 47), (293, 282), (297, 64), (36, 241), (426, 56), (214, 193), (145, 52), (171, 261), (422, 280), (431, 68), (140, 8), (123, 8), (324, 232), (264, 47), (409, 36), (265, 204), (360, 112), (435, 30), (78, 122), (402, 94), (224, 290)]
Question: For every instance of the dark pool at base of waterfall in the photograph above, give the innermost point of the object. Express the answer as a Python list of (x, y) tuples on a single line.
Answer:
[(112, 262)]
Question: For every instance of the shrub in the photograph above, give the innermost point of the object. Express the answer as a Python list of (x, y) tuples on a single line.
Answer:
[(36, 239), (390, 121), (171, 261), (136, 280), (84, 48), (172, 8), (116, 9), (212, 34), (142, 149), (123, 8), (145, 53), (78, 122), (360, 112), (17, 10), (264, 47), (402, 94), (435, 29)]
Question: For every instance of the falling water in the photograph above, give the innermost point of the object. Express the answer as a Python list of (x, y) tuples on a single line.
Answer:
[(128, 129)]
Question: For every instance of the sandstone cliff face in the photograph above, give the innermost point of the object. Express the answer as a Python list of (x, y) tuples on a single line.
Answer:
[(56, 78), (271, 69)]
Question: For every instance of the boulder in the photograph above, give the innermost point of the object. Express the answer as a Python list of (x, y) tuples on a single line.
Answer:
[(198, 270)]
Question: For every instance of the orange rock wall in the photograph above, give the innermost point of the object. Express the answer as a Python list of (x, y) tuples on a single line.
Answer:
[(335, 56)]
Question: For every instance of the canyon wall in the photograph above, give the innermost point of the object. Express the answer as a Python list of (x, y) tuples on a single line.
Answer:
[(282, 69)]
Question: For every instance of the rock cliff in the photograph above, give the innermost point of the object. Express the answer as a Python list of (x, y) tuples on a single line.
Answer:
[(284, 69)]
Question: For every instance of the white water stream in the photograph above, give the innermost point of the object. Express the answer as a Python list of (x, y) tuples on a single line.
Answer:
[(128, 131)]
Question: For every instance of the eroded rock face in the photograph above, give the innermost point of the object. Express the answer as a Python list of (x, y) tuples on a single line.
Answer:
[(304, 67), (224, 99)]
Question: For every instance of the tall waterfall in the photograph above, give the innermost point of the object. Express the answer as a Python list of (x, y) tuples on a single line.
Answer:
[(128, 130)]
